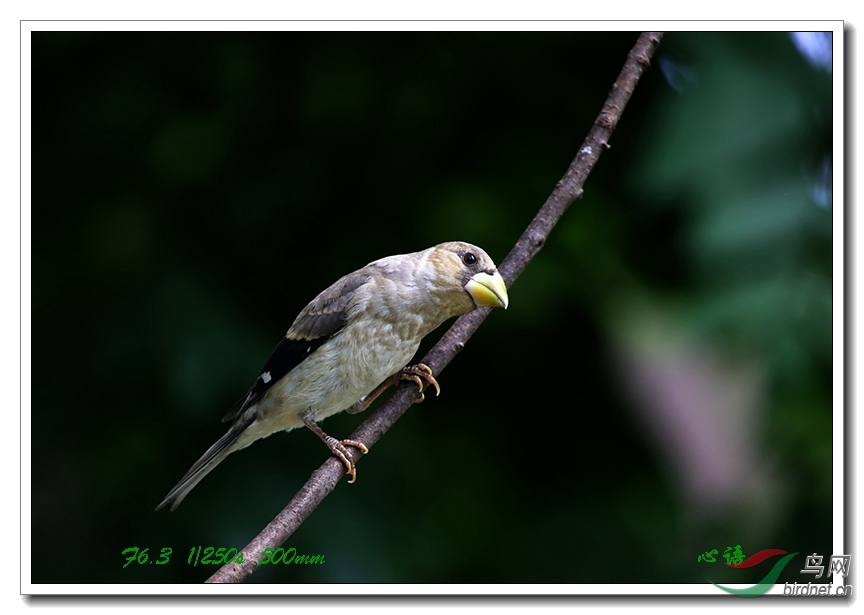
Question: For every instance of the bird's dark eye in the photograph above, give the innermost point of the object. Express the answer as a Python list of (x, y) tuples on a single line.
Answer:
[(469, 259)]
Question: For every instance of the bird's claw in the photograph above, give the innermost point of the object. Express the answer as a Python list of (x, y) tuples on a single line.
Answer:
[(337, 447), (418, 374)]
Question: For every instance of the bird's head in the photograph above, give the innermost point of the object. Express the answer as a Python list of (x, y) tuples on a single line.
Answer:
[(469, 269)]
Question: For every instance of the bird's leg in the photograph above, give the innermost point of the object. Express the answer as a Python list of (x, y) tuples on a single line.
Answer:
[(337, 447), (412, 372)]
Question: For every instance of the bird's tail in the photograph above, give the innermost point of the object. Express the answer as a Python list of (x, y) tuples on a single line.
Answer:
[(209, 460)]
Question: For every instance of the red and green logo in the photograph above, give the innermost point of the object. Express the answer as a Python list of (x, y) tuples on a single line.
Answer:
[(765, 584)]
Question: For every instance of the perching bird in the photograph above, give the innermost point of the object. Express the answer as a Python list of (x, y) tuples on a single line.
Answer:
[(351, 343)]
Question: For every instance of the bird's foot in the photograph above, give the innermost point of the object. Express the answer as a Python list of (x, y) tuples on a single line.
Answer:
[(339, 449), (336, 447), (418, 374)]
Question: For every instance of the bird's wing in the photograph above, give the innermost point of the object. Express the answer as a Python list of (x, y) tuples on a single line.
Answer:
[(323, 318)]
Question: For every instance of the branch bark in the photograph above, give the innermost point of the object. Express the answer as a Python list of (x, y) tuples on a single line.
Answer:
[(566, 191)]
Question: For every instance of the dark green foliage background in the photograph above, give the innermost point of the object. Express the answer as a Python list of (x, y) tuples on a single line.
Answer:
[(193, 191)]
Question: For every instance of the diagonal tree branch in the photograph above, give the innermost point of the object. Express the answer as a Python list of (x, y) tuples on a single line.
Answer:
[(325, 478)]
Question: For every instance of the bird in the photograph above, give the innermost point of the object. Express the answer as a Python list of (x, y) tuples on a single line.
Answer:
[(352, 342)]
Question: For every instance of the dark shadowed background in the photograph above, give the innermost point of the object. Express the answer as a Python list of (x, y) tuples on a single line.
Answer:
[(660, 386)]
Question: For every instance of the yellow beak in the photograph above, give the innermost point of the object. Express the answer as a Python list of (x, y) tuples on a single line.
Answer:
[(488, 290)]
